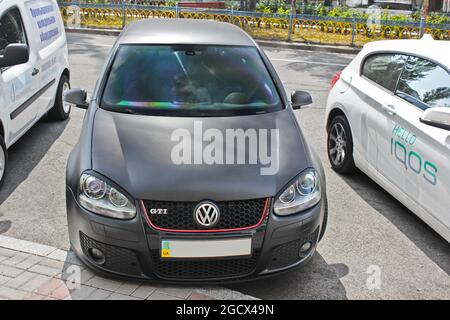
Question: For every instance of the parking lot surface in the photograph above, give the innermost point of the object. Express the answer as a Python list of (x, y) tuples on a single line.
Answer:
[(374, 247)]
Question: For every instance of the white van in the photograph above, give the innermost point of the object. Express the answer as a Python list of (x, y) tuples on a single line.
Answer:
[(34, 68)]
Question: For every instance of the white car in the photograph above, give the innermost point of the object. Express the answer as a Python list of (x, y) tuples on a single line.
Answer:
[(34, 68), (388, 114)]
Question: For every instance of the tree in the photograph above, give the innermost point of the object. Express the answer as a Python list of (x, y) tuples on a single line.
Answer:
[(425, 8), (251, 5)]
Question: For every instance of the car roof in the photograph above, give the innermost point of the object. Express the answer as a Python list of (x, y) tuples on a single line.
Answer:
[(437, 50), (184, 31)]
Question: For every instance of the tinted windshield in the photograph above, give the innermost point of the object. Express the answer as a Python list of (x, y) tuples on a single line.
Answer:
[(189, 80)]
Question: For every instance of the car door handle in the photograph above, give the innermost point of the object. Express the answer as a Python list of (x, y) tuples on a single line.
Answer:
[(35, 72), (389, 109)]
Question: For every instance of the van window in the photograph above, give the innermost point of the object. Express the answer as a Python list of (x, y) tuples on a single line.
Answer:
[(384, 69), (11, 29), (424, 84)]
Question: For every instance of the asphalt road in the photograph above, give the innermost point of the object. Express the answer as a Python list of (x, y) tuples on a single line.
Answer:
[(369, 232)]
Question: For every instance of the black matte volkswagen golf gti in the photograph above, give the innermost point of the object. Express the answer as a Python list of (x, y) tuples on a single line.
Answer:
[(191, 165)]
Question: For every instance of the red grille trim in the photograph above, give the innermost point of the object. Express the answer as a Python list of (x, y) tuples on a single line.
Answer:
[(147, 219)]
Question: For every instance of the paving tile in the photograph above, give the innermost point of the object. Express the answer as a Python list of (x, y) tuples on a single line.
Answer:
[(73, 259), (103, 283), (7, 252), (199, 296), (35, 283), (34, 296), (99, 294), (178, 292), (58, 254), (161, 296), (10, 293), (52, 263), (48, 287), (4, 279), (9, 271), (47, 271), (127, 288), (118, 296), (20, 280), (144, 291), (29, 262), (60, 293), (16, 259), (82, 293)]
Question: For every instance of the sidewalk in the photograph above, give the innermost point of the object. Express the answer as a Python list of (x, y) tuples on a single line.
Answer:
[(32, 271)]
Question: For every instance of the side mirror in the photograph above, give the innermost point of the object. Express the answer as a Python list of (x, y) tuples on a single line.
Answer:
[(300, 99), (14, 54), (77, 97), (437, 117)]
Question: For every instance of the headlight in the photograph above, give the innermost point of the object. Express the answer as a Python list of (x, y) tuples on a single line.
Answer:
[(304, 193), (98, 196)]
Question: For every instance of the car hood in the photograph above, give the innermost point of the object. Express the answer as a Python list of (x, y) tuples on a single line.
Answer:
[(136, 152)]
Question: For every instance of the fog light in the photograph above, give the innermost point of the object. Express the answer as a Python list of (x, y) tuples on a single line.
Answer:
[(305, 248), (96, 255)]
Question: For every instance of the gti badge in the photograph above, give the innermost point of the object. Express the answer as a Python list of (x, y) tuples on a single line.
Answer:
[(206, 214), (158, 211)]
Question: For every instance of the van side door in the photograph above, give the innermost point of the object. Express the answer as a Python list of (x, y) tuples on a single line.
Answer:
[(42, 19), (20, 84)]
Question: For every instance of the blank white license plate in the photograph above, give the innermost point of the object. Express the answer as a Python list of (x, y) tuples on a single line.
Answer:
[(206, 248)]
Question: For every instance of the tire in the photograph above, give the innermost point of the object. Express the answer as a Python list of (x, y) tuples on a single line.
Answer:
[(3, 160), (60, 111), (340, 145)]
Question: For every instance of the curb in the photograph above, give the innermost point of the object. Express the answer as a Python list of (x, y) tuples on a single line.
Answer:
[(105, 32), (264, 43), (53, 253), (309, 47)]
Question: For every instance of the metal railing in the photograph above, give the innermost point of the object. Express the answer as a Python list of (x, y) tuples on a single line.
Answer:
[(285, 27)]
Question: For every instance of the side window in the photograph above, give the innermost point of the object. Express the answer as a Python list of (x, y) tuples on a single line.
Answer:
[(384, 69), (11, 29), (424, 84)]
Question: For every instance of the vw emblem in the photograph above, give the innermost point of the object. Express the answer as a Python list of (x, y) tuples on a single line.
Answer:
[(206, 214)]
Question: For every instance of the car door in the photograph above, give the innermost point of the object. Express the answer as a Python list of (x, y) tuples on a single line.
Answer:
[(19, 82), (414, 156), (376, 83)]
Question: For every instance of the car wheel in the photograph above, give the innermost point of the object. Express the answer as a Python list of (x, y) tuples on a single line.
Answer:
[(340, 145), (61, 109), (3, 160)]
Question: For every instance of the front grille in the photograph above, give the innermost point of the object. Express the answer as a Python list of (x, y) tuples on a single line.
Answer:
[(208, 269), (180, 214), (288, 253), (116, 259)]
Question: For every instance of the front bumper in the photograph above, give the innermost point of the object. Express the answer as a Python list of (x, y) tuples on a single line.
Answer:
[(132, 247)]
